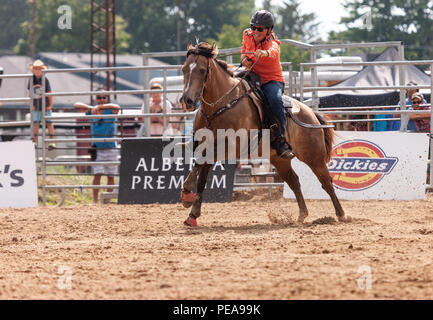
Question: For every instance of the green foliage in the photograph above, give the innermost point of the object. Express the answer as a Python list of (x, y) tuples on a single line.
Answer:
[(73, 196), (147, 25), (295, 55), (49, 37), (293, 25), (150, 24), (158, 25), (289, 24), (231, 36), (392, 20), (11, 30)]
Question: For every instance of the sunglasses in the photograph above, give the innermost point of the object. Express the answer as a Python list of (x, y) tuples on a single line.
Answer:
[(101, 97), (259, 29), (416, 102)]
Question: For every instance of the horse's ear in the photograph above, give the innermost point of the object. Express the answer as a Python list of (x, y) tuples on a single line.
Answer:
[(214, 49), (189, 46)]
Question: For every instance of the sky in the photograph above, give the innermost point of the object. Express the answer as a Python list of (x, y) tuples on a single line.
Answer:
[(328, 12)]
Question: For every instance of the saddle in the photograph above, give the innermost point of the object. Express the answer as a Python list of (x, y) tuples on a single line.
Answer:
[(268, 120)]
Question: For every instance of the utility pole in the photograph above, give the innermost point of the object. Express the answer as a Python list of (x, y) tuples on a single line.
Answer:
[(33, 30), (103, 39)]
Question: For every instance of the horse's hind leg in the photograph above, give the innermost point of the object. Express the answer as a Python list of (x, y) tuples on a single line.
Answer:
[(286, 172), (325, 179), (196, 206)]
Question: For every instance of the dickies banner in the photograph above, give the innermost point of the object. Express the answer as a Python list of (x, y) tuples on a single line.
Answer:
[(371, 165), (18, 182), (148, 176)]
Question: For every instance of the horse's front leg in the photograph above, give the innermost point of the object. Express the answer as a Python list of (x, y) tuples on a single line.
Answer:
[(187, 194), (196, 208)]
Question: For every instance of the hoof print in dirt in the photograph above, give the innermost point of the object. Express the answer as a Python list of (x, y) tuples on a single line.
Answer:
[(324, 220)]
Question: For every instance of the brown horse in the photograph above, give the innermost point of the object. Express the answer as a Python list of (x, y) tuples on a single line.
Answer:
[(224, 105)]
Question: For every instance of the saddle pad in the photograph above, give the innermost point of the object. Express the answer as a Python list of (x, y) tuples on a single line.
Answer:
[(291, 103)]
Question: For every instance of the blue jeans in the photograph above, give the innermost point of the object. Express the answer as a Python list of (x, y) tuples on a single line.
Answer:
[(273, 91)]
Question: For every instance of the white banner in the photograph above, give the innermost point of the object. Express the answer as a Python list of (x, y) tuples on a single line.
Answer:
[(18, 182), (371, 166)]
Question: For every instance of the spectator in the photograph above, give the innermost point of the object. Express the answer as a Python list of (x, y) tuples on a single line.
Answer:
[(395, 125), (189, 122), (102, 128), (421, 120), (156, 106), (380, 125), (37, 68)]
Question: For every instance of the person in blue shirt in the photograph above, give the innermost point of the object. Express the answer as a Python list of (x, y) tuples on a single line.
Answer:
[(380, 125), (395, 125), (102, 128)]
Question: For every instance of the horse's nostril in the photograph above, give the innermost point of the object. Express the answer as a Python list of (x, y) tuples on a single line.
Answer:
[(189, 101)]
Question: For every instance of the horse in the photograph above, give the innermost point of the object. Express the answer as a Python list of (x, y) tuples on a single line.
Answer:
[(224, 104)]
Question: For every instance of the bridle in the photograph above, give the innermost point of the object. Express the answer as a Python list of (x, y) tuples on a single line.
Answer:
[(209, 56), (229, 105)]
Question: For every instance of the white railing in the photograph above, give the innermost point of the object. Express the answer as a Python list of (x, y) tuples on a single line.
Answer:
[(313, 51)]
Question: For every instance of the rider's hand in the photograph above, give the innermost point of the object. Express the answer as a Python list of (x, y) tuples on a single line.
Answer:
[(247, 63), (155, 108), (261, 53)]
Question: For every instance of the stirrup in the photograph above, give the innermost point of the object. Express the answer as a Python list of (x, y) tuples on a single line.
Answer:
[(285, 151), (286, 154)]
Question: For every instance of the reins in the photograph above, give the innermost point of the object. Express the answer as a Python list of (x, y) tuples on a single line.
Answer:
[(213, 104), (229, 105)]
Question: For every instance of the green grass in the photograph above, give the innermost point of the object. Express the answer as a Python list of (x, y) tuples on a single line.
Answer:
[(73, 196)]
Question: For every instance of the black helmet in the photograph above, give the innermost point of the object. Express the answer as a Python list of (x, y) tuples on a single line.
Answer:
[(262, 18)]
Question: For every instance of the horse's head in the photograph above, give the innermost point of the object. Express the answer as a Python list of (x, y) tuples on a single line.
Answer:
[(195, 72)]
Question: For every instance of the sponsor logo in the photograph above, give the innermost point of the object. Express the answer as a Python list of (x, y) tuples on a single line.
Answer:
[(358, 165)]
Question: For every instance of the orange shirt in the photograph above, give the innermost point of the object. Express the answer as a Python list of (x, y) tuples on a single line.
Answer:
[(269, 68)]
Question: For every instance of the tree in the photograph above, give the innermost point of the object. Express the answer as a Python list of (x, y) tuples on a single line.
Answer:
[(391, 20), (291, 24), (48, 35), (153, 24), (11, 30), (296, 27)]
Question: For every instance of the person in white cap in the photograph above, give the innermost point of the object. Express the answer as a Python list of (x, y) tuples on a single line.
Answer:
[(37, 68)]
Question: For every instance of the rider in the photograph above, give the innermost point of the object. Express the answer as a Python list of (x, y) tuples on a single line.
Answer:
[(261, 40)]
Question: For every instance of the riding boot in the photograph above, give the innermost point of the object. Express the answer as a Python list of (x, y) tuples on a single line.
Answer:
[(279, 143)]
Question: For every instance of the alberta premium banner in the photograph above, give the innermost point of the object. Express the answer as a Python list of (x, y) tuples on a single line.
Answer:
[(371, 166), (148, 175)]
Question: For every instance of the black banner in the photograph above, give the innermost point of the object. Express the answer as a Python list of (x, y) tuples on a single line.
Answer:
[(146, 176)]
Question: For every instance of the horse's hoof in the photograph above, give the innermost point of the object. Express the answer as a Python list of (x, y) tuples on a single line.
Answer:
[(188, 199), (187, 204), (301, 218), (188, 196), (345, 219), (190, 222)]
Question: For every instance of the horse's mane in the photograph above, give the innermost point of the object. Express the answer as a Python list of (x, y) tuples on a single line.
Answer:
[(208, 51), (225, 66)]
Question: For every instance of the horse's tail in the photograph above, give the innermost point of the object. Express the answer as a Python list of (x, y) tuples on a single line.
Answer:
[(329, 136)]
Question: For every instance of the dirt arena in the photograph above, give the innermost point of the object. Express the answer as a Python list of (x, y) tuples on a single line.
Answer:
[(247, 249)]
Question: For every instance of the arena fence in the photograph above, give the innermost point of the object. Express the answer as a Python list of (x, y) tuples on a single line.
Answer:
[(146, 90), (402, 88)]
